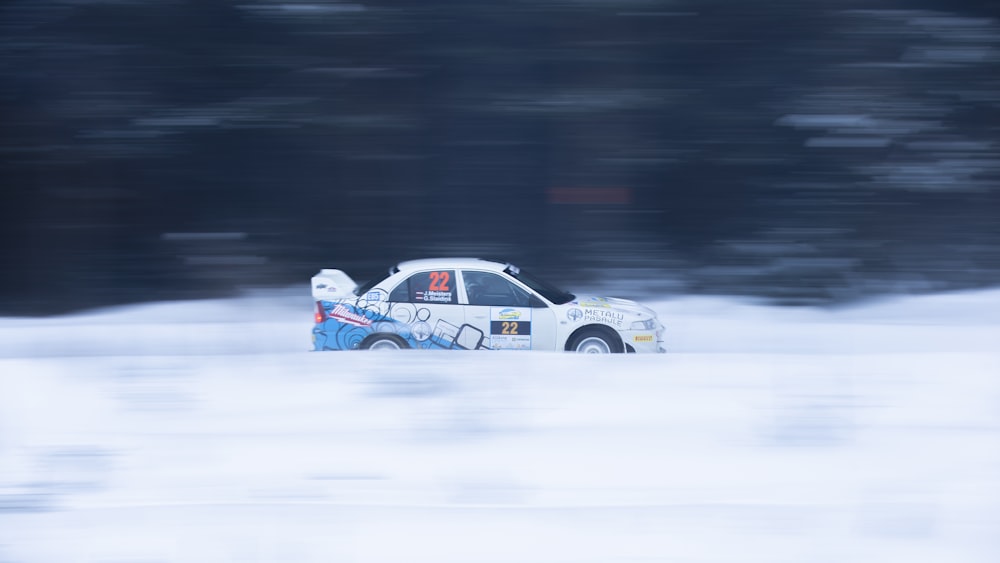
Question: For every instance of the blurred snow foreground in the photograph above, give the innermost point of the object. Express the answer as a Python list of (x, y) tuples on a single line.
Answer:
[(205, 432)]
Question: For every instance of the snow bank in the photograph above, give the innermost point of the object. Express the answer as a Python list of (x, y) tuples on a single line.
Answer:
[(205, 432)]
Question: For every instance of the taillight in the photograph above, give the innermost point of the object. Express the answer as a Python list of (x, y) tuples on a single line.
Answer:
[(320, 315)]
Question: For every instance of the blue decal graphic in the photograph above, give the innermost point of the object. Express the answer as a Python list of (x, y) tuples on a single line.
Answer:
[(345, 326), (348, 323)]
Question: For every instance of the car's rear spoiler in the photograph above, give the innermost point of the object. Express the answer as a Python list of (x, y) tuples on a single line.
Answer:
[(328, 285)]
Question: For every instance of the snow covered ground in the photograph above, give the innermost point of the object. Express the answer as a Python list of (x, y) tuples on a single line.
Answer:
[(205, 432)]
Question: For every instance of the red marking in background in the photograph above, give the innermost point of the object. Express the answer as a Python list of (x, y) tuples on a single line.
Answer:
[(578, 196)]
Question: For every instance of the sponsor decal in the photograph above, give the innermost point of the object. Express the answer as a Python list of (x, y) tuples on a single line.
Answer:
[(604, 316), (347, 316), (499, 342), (574, 315), (509, 314), (373, 296), (642, 338), (510, 328)]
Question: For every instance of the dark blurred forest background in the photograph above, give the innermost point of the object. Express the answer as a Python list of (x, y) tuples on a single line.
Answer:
[(808, 151)]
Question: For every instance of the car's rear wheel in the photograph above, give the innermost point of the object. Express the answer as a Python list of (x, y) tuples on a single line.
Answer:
[(595, 342), (383, 342)]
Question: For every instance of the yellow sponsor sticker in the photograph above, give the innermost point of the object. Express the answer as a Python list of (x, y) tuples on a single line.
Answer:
[(642, 338)]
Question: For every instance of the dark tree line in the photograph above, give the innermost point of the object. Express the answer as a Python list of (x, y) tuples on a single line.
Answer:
[(805, 150)]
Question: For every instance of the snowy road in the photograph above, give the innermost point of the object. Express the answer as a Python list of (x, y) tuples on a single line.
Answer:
[(154, 434)]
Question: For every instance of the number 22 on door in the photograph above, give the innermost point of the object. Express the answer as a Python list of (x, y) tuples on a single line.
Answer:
[(509, 327)]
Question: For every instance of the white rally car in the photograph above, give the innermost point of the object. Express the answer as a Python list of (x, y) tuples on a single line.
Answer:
[(473, 304)]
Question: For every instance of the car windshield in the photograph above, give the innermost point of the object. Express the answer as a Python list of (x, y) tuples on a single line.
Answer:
[(545, 289)]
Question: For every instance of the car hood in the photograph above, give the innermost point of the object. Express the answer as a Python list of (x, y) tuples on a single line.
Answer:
[(612, 303)]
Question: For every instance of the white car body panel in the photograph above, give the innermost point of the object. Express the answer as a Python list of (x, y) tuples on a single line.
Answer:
[(425, 303)]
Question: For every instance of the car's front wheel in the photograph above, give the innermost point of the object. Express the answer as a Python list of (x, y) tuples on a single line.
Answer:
[(595, 342), (383, 342)]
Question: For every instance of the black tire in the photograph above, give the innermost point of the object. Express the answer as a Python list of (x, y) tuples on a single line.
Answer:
[(382, 341), (595, 341)]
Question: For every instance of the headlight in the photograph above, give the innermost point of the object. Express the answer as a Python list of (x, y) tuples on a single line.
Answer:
[(648, 324)]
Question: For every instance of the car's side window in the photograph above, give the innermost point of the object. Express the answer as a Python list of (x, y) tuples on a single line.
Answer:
[(401, 294), (437, 286), (487, 288)]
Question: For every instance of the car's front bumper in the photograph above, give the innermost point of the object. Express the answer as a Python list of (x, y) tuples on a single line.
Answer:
[(644, 341)]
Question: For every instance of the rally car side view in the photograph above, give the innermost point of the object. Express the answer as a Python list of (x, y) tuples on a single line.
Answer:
[(473, 304)]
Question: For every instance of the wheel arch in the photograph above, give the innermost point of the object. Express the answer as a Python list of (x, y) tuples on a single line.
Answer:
[(605, 330), (376, 336)]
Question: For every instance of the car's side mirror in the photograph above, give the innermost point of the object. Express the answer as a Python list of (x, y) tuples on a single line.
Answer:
[(535, 303)]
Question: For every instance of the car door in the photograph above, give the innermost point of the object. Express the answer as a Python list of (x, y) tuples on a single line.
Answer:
[(510, 316), (426, 309)]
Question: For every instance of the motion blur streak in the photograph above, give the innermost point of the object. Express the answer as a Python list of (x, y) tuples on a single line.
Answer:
[(167, 165), (808, 151), (866, 434)]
